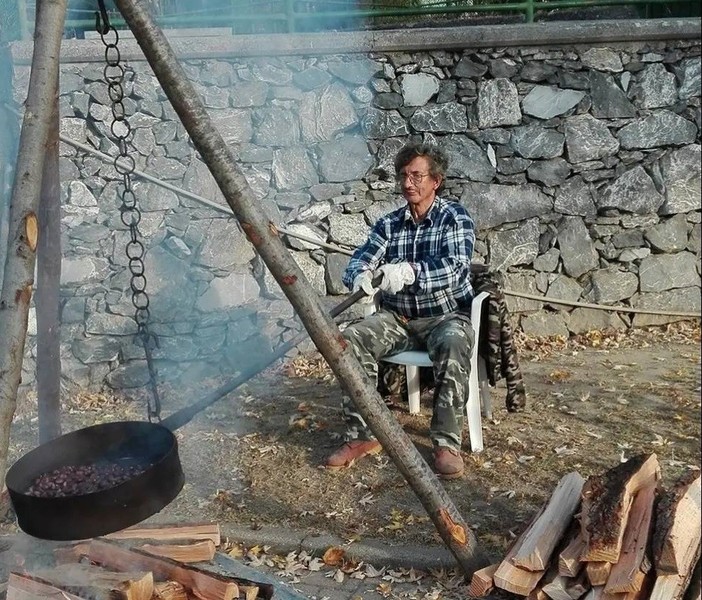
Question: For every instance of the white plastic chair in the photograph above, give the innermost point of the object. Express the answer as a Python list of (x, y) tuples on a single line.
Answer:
[(478, 389)]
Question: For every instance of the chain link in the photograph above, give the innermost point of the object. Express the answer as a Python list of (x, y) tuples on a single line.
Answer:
[(124, 164)]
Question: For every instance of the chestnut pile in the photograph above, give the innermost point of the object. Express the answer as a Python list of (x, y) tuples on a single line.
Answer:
[(76, 480)]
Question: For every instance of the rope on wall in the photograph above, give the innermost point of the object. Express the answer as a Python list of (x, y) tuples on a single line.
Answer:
[(225, 209)]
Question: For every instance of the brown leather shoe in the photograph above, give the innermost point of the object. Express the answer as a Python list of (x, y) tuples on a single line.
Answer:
[(345, 456), (448, 463)]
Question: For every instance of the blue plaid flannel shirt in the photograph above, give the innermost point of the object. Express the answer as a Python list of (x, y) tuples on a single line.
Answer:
[(439, 248)]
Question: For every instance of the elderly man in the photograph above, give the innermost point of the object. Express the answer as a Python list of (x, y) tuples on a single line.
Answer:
[(423, 252)]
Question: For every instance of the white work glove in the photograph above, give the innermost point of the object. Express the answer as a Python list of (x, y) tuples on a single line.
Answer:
[(364, 281), (396, 276)]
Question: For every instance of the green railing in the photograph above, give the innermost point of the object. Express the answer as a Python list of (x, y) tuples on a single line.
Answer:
[(288, 16)]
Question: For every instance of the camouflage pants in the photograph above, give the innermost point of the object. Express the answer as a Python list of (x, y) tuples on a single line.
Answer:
[(448, 340)]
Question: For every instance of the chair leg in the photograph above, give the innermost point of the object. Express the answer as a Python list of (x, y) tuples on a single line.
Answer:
[(485, 399), (413, 392), (475, 426)]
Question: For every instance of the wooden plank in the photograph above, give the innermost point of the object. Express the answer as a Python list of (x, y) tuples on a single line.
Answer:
[(192, 552), (606, 502), (678, 526), (627, 574), (204, 584), (98, 584), (569, 559), (170, 531), (597, 572), (543, 535), (25, 587), (482, 581)]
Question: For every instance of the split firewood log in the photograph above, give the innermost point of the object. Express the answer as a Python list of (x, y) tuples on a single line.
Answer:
[(678, 526), (189, 552), (482, 583), (514, 579), (628, 573), (597, 572), (569, 564), (694, 590), (97, 583), (542, 537), (606, 503), (204, 584), (169, 590), (170, 531), (672, 587), (26, 587)]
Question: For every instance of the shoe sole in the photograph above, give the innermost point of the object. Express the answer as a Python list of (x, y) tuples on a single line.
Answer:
[(450, 475), (353, 460)]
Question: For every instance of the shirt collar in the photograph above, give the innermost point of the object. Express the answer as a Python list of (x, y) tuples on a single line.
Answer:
[(431, 215)]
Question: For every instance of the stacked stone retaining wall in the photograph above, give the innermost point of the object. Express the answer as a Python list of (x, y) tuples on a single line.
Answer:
[(580, 164)]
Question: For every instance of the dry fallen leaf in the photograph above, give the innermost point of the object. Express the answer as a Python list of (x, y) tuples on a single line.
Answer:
[(334, 556)]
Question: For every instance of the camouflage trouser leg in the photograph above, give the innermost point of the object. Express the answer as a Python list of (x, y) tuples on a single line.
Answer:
[(448, 340), (370, 339), (449, 345)]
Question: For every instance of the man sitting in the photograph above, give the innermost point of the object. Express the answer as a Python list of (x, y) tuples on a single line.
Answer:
[(423, 252)]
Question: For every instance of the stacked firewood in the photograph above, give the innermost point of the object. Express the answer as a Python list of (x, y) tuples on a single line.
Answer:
[(139, 563), (616, 536)]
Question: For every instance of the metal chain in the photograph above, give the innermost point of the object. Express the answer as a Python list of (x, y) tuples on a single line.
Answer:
[(130, 214)]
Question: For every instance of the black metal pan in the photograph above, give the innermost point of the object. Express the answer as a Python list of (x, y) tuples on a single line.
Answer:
[(135, 446), (149, 448)]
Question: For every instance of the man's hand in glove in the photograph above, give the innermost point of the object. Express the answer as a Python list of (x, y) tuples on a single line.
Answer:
[(396, 276), (364, 281)]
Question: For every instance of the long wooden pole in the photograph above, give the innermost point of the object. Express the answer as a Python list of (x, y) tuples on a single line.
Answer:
[(326, 336), (48, 283), (18, 279)]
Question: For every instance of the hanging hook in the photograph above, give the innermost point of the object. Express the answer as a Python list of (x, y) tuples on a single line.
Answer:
[(102, 20)]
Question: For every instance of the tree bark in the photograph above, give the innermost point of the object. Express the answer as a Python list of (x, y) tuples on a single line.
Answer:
[(48, 283), (326, 336), (22, 237)]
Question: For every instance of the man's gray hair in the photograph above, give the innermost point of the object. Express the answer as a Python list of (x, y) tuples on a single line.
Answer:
[(438, 161)]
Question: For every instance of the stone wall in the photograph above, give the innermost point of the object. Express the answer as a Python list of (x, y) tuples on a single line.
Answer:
[(580, 164)]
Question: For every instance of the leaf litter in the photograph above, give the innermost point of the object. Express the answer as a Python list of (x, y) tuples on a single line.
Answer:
[(262, 459)]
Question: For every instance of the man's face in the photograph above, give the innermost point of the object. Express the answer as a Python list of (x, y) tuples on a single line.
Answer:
[(418, 185)]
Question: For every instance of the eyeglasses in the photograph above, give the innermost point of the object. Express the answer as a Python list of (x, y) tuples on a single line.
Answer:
[(414, 177)]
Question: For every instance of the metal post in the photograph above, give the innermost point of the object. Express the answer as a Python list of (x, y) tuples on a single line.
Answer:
[(530, 11), (23, 21), (290, 13)]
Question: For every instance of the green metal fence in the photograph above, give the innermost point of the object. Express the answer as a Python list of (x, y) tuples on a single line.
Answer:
[(288, 16)]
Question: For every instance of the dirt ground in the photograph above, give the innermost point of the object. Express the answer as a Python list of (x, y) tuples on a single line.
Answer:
[(254, 457)]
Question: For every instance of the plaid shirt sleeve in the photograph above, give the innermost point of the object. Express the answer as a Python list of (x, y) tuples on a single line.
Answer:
[(371, 254)]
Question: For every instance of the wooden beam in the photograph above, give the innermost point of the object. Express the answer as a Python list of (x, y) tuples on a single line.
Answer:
[(544, 534), (606, 503)]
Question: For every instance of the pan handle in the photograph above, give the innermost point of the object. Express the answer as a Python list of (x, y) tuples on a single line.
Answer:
[(185, 415)]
